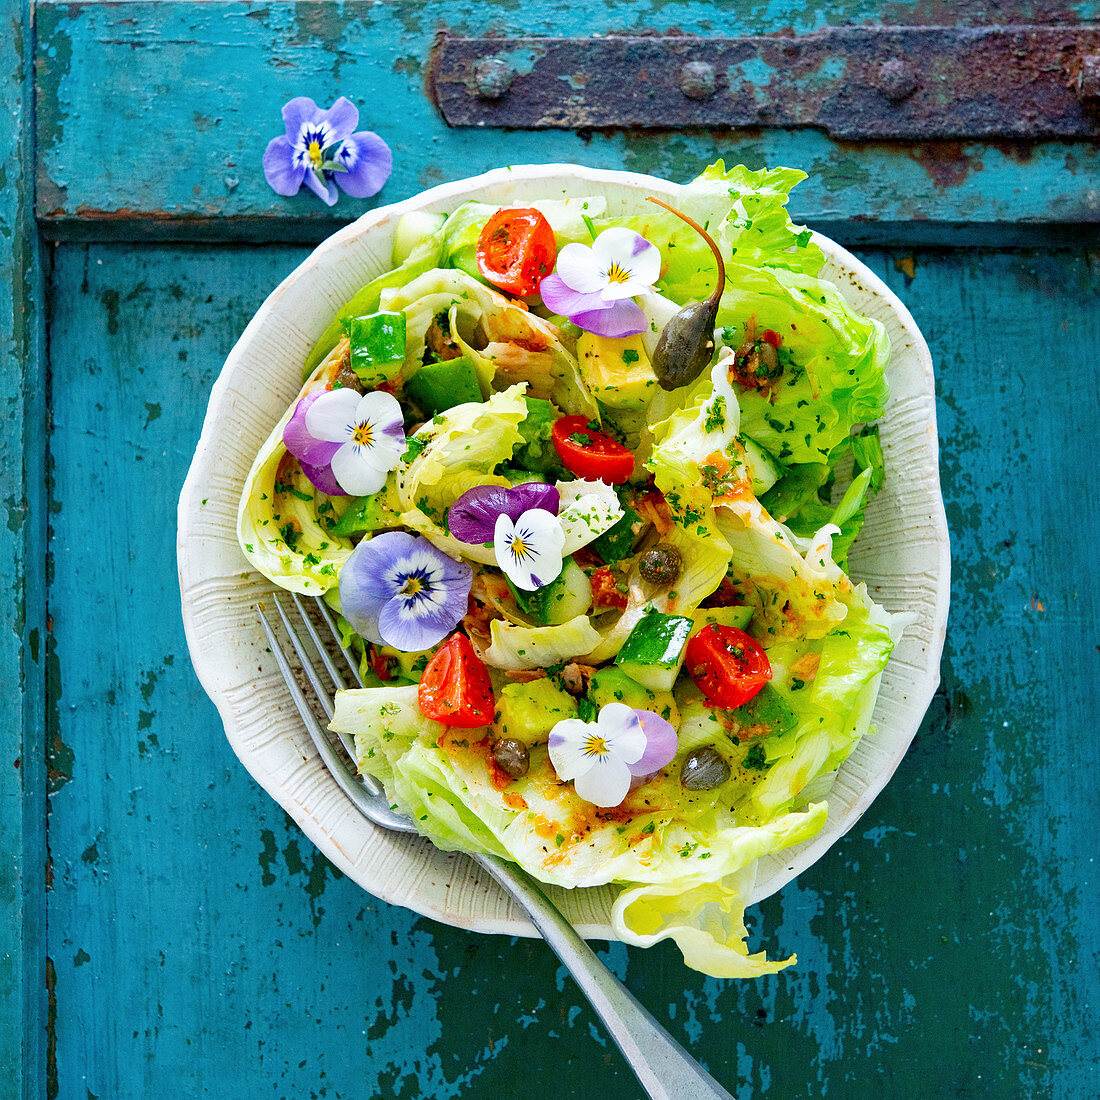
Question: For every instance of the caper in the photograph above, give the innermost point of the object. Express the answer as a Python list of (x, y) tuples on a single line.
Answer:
[(661, 565), (686, 343), (511, 756), (704, 769)]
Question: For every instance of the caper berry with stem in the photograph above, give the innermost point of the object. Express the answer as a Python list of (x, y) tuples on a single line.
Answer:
[(661, 565), (511, 756), (686, 343), (704, 769)]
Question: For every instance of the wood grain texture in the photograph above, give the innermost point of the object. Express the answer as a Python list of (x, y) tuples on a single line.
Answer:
[(123, 148), (946, 945), (25, 649)]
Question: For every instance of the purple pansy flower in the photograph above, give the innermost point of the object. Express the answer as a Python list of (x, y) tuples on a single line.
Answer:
[(346, 442), (397, 589), (320, 150), (603, 757), (521, 522), (594, 285)]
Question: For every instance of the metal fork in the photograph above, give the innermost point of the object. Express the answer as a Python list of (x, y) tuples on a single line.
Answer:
[(665, 1070)]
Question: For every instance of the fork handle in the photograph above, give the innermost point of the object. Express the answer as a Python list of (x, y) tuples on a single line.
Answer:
[(665, 1069)]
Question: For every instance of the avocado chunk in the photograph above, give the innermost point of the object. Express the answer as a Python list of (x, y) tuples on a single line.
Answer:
[(612, 685), (765, 713), (617, 542), (528, 712), (654, 650), (377, 346), (617, 370), (437, 387), (568, 595), (373, 513)]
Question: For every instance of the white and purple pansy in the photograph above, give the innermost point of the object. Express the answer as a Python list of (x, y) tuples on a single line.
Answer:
[(397, 589), (321, 150), (522, 524), (603, 757), (346, 442), (594, 285)]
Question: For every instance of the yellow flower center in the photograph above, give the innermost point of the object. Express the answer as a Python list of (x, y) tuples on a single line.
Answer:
[(519, 547), (315, 153), (595, 746), (363, 435), (617, 275), (413, 586)]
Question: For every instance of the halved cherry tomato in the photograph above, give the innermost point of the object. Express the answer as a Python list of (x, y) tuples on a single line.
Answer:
[(516, 249), (455, 688), (727, 665), (589, 453)]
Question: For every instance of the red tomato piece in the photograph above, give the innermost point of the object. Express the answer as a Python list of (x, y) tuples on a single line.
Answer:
[(516, 249), (455, 688), (589, 453), (770, 336), (605, 589), (727, 665)]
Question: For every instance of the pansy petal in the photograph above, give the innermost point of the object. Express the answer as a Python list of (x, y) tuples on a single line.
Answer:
[(365, 587), (529, 550), (622, 318), (325, 192), (322, 477), (368, 161), (298, 112), (406, 628), (382, 409), (625, 249), (580, 269), (280, 171), (301, 442), (566, 301), (331, 415), (567, 748), (660, 743), (621, 729), (342, 118), (472, 518), (353, 468), (605, 784)]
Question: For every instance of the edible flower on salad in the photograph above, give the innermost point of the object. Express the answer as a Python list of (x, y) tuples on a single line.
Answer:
[(529, 549), (473, 517), (602, 757), (347, 442), (594, 286), (398, 590)]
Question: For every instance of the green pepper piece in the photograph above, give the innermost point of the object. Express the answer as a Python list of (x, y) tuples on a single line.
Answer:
[(377, 346), (437, 387)]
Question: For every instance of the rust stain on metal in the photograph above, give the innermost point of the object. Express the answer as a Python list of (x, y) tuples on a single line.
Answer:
[(856, 83), (946, 162)]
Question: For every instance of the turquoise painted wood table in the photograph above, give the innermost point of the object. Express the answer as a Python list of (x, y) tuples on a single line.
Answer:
[(167, 931)]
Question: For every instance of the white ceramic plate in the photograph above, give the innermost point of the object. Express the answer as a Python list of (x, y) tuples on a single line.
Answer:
[(902, 554)]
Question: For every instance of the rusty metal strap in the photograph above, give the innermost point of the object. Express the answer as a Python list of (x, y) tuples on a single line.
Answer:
[(856, 83)]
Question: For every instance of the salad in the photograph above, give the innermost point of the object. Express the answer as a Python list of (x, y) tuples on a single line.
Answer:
[(581, 484)]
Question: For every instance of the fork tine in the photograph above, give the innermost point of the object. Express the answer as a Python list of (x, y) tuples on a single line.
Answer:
[(322, 650), (353, 665), (321, 690), (351, 785)]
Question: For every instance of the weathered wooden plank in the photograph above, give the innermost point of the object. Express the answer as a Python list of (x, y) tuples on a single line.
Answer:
[(202, 947), (25, 648), (121, 147)]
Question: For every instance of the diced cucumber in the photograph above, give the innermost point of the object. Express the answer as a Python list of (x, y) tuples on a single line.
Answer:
[(738, 616), (437, 387), (412, 228), (765, 470), (377, 346), (568, 595), (654, 650)]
